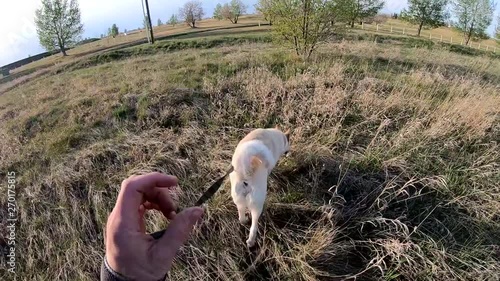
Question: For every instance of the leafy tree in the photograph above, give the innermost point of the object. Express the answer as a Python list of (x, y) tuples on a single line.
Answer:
[(158, 23), (58, 24), (473, 17), (425, 12), (306, 23), (191, 12), (263, 7), (218, 12), (233, 10), (113, 31), (360, 9), (173, 20)]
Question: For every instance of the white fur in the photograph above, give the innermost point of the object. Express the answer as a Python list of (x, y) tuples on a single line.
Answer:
[(267, 145)]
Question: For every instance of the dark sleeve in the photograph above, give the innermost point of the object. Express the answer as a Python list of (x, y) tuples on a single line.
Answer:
[(108, 274)]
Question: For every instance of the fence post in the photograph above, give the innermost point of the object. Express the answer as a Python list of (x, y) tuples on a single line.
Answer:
[(377, 26), (403, 31), (451, 40), (391, 28), (486, 47), (362, 25), (430, 35)]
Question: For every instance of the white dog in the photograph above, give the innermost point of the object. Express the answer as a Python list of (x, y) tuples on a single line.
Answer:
[(253, 160)]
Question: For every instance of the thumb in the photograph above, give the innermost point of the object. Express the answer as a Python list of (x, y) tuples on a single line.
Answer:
[(177, 232)]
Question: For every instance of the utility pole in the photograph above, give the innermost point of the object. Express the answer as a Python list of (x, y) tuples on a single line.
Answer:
[(149, 23), (144, 21)]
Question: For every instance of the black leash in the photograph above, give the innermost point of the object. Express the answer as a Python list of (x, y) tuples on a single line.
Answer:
[(204, 197)]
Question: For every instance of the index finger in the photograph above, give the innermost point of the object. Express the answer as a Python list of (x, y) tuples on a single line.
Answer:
[(135, 190)]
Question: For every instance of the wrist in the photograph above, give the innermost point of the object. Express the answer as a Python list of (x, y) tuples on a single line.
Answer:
[(109, 274)]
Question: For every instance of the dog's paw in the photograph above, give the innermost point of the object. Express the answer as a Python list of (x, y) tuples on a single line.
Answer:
[(250, 243)]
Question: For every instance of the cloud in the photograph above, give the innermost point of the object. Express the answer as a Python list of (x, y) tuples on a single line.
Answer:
[(394, 6), (18, 31)]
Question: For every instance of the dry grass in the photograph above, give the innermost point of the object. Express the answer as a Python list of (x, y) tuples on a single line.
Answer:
[(393, 175)]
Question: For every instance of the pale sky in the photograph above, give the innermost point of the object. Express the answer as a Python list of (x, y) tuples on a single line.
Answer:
[(17, 26)]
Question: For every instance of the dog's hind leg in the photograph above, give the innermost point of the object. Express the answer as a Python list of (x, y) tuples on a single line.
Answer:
[(255, 211)]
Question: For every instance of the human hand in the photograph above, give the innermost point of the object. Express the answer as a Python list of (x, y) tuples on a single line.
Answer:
[(131, 252)]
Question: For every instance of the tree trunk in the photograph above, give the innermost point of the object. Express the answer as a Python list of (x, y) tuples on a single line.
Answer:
[(310, 53), (469, 34), (61, 46), (296, 45), (467, 37), (420, 28)]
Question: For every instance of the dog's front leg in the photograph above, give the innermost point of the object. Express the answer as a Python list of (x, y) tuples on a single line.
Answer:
[(255, 211)]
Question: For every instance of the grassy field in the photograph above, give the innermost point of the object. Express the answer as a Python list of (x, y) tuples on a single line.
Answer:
[(393, 172), (138, 36), (248, 22)]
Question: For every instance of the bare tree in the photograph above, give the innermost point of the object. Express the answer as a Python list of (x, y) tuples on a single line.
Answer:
[(191, 12)]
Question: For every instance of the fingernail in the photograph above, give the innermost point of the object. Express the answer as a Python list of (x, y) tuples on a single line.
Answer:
[(172, 215), (196, 213)]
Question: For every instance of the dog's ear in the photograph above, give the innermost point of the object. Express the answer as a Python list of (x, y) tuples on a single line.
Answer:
[(287, 134), (255, 162)]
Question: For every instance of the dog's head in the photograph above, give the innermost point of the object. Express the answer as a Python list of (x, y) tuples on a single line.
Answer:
[(286, 140)]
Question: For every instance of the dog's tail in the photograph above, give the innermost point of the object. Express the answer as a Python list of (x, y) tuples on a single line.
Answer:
[(252, 155)]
